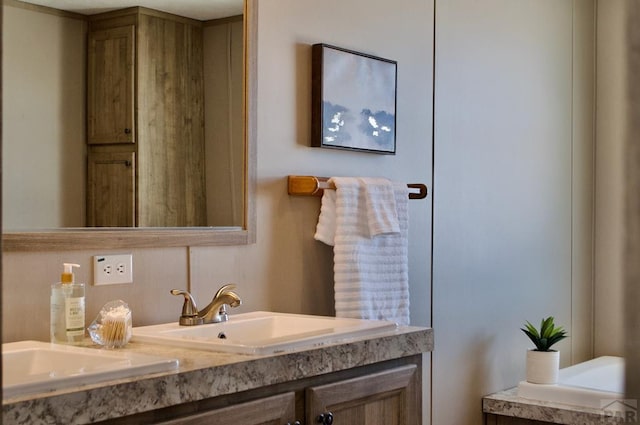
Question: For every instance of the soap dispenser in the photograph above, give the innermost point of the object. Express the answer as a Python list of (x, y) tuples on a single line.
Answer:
[(67, 308)]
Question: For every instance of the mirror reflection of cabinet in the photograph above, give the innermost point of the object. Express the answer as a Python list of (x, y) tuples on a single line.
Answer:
[(111, 179), (74, 238), (110, 95), (145, 100)]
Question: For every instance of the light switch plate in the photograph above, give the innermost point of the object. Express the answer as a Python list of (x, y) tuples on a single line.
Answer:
[(112, 269)]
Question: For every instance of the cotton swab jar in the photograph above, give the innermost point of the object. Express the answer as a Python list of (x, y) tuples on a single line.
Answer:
[(112, 327)]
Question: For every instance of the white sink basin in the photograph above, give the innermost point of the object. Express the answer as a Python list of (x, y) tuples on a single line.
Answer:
[(30, 367), (260, 332)]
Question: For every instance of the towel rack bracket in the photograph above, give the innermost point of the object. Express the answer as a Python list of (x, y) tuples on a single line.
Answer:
[(304, 186)]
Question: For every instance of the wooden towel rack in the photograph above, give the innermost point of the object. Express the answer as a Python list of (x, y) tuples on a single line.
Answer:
[(314, 186)]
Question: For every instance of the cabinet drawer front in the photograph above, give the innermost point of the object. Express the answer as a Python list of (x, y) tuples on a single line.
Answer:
[(274, 410), (386, 398)]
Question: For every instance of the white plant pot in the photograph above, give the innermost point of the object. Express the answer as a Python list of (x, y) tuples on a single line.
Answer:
[(543, 367)]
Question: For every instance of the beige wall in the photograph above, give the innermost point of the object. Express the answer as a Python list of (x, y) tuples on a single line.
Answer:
[(609, 213), (286, 269), (504, 222), (631, 238), (53, 151)]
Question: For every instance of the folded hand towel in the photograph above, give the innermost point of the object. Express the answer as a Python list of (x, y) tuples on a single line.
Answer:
[(382, 216), (370, 273)]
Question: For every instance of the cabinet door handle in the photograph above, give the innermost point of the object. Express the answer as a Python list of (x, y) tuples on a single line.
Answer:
[(295, 423), (127, 131), (325, 418)]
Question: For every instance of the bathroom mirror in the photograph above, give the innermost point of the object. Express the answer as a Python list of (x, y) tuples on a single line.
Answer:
[(105, 237)]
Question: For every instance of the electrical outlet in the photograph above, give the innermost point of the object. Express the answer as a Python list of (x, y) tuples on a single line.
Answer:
[(112, 269)]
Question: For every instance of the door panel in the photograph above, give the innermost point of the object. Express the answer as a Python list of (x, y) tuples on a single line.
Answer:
[(386, 398)]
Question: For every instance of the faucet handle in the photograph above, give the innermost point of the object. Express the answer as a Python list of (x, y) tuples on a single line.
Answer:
[(189, 314), (189, 307)]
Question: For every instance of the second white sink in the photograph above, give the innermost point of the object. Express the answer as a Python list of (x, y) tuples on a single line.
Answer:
[(30, 367), (260, 332)]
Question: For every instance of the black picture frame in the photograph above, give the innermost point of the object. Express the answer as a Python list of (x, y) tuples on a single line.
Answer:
[(353, 98)]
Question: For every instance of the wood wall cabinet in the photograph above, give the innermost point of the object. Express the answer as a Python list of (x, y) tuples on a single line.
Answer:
[(112, 183), (387, 393), (110, 91), (145, 95)]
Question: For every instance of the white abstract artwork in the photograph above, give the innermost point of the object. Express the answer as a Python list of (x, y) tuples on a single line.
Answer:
[(354, 98)]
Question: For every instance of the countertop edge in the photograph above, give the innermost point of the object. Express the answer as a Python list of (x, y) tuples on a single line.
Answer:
[(507, 403), (203, 375)]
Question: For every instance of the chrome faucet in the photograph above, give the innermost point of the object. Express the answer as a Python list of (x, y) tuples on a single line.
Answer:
[(214, 312)]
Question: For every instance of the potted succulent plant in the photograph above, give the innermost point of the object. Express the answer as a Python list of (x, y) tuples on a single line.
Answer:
[(542, 362)]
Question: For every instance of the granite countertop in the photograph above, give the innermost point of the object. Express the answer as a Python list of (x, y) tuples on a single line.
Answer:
[(507, 403), (205, 374)]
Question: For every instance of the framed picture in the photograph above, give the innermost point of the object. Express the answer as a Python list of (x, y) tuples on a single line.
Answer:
[(353, 99)]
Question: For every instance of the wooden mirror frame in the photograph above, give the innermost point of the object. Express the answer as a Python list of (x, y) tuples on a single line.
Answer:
[(115, 238)]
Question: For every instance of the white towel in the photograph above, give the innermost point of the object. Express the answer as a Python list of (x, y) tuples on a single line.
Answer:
[(382, 215), (370, 255), (326, 228)]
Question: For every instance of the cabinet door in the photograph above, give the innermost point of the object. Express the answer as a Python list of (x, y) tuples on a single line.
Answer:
[(386, 398), (111, 189), (110, 85), (274, 410)]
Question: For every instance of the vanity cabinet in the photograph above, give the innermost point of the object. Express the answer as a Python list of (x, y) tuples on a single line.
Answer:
[(384, 398), (386, 393), (145, 98)]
